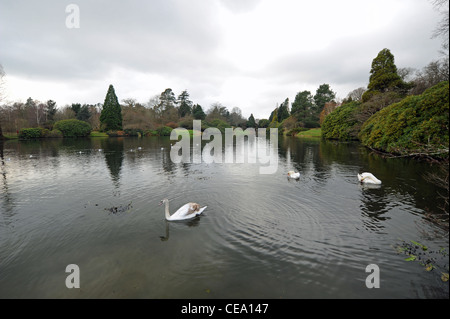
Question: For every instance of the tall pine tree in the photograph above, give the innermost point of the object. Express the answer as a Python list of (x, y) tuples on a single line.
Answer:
[(111, 116)]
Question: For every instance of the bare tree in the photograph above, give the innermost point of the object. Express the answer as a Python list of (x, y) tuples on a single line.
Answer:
[(2, 75), (441, 30), (356, 94)]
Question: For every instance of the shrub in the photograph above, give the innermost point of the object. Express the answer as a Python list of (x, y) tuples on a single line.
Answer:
[(133, 132), (73, 128), (342, 122), (54, 134), (418, 123), (113, 133), (164, 131), (30, 133)]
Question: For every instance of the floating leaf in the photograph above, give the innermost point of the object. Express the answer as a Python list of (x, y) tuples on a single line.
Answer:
[(429, 267), (424, 248), (411, 258), (444, 277)]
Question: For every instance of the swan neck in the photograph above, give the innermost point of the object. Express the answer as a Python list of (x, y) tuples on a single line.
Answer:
[(167, 210)]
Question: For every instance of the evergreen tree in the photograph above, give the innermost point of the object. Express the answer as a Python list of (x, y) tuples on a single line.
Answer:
[(84, 114), (323, 95), (76, 107), (283, 111), (50, 110), (197, 112), (303, 106), (185, 105), (384, 76), (111, 116), (251, 121)]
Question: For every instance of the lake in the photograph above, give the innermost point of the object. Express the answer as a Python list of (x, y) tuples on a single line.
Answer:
[(94, 203)]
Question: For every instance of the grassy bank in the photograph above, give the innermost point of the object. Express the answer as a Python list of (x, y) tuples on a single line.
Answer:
[(98, 134), (315, 132)]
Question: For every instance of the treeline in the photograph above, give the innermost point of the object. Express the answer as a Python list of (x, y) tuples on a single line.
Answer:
[(395, 115), (155, 117)]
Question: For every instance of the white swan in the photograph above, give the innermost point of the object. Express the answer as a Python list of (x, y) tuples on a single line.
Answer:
[(368, 178), (187, 211), (292, 174)]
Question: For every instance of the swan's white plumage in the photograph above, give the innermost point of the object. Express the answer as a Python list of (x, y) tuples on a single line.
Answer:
[(187, 211), (292, 174), (368, 178)]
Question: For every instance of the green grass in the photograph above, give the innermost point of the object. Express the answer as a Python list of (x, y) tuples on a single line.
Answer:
[(315, 132), (98, 134)]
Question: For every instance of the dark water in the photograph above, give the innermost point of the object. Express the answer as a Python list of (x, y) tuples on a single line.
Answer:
[(262, 236)]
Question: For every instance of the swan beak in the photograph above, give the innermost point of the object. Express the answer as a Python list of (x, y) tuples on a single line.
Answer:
[(160, 203)]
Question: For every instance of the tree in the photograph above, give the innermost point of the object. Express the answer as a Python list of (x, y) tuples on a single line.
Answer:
[(185, 105), (167, 106), (236, 118), (323, 95), (356, 94), (327, 109), (84, 114), (76, 107), (2, 74), (303, 106), (384, 76), (50, 111), (217, 111), (197, 112), (251, 121), (283, 111), (111, 116), (443, 25)]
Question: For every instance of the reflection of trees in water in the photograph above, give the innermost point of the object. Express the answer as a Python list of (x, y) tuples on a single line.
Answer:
[(113, 151), (7, 198)]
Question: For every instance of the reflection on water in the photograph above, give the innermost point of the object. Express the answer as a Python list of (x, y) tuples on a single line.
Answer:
[(262, 236)]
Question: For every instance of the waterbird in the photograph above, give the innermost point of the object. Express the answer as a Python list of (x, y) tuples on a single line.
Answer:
[(294, 175), (368, 178), (187, 211)]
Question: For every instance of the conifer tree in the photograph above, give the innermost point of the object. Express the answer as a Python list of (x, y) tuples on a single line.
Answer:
[(111, 116), (384, 77)]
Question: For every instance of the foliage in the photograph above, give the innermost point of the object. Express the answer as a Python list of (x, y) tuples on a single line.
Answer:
[(30, 133), (283, 111), (417, 124), (164, 131), (197, 112), (303, 106), (263, 123), (384, 76), (324, 94), (55, 133), (432, 260), (111, 116), (73, 128), (341, 123), (185, 105), (251, 121), (221, 125)]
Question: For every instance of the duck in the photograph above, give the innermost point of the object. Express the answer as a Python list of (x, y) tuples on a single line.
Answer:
[(292, 174), (368, 178), (187, 211)]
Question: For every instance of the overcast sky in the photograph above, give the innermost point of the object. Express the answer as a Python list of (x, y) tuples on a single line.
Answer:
[(251, 54)]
